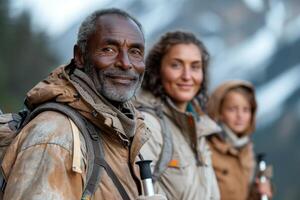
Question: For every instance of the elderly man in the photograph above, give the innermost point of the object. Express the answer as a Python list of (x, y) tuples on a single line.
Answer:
[(44, 161)]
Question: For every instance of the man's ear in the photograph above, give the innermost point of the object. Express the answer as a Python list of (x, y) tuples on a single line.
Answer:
[(78, 56)]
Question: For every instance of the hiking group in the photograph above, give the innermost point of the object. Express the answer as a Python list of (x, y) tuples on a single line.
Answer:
[(87, 124)]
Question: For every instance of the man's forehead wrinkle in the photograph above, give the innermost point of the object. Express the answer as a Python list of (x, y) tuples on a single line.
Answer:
[(132, 34), (121, 42), (121, 32), (115, 33), (124, 36), (119, 26)]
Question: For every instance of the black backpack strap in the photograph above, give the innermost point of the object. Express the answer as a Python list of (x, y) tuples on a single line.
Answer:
[(91, 137), (94, 145), (167, 149), (114, 178), (99, 162)]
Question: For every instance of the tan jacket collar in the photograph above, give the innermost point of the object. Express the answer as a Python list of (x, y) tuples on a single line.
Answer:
[(80, 94), (224, 147), (204, 125)]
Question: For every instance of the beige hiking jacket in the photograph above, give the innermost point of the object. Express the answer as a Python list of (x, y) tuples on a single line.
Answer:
[(43, 162), (183, 179)]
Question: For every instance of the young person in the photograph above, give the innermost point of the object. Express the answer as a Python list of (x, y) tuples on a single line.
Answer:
[(233, 106)]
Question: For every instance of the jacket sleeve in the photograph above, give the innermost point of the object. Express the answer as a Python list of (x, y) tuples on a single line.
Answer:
[(43, 172), (38, 164), (214, 188), (151, 150)]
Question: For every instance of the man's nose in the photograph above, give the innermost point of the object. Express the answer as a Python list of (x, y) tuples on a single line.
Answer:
[(123, 60)]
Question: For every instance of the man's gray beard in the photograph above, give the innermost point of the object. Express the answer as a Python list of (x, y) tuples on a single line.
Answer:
[(111, 91)]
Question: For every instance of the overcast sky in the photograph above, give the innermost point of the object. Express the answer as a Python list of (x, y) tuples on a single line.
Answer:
[(54, 16)]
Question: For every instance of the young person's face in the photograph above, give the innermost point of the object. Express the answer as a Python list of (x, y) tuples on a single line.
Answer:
[(236, 112), (182, 73)]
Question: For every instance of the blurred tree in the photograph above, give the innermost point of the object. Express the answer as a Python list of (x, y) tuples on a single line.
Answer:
[(24, 57)]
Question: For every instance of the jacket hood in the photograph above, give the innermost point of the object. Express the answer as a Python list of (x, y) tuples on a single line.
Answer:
[(58, 87), (217, 97), (55, 87), (71, 86)]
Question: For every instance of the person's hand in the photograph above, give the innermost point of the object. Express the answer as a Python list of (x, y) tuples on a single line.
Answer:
[(264, 187), (153, 197)]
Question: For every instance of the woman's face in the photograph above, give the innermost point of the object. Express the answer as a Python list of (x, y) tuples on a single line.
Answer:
[(181, 73), (236, 112)]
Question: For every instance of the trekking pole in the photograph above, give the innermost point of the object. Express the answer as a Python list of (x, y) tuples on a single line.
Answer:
[(146, 176), (261, 172)]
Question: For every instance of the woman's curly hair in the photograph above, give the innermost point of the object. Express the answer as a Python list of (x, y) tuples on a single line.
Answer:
[(152, 80)]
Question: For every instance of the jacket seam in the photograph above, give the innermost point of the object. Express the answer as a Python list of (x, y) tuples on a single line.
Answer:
[(50, 143)]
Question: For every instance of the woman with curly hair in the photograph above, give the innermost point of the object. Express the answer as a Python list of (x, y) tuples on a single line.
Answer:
[(172, 99)]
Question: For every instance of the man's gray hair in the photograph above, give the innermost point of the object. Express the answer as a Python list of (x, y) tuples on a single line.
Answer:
[(88, 26)]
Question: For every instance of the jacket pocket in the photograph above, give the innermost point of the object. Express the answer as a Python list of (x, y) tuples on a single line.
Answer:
[(177, 165)]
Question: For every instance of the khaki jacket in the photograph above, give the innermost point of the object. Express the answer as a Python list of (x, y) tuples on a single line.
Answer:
[(234, 167), (186, 178), (41, 162)]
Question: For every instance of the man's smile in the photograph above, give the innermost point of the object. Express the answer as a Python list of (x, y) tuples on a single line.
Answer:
[(122, 79)]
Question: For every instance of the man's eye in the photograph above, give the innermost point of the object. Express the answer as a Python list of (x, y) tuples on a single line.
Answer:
[(108, 50), (135, 51), (136, 54)]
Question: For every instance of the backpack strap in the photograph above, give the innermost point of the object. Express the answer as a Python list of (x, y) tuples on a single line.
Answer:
[(89, 134), (167, 148), (94, 144), (100, 162), (76, 163)]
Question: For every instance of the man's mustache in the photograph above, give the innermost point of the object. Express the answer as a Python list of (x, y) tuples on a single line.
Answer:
[(113, 72)]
